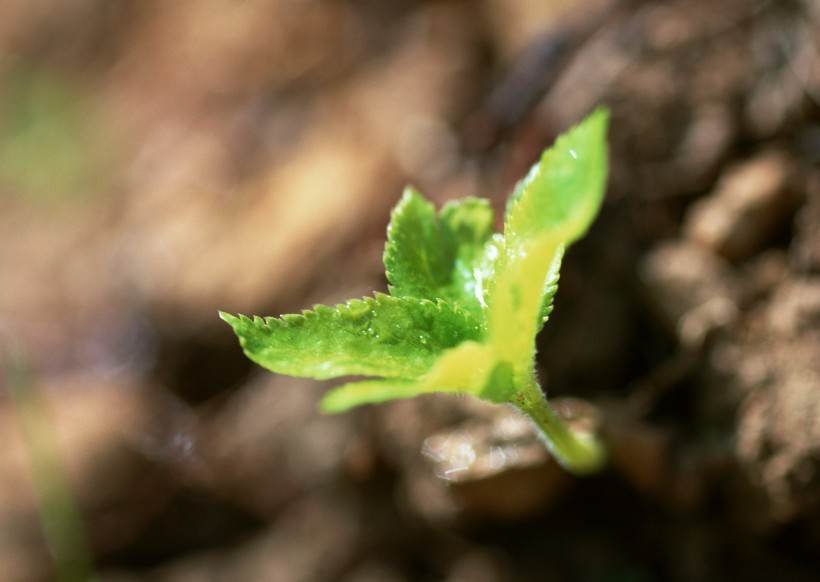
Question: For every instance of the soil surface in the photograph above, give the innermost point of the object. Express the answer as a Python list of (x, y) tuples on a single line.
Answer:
[(163, 160)]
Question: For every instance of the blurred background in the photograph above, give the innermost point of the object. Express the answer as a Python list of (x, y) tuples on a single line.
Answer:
[(161, 160)]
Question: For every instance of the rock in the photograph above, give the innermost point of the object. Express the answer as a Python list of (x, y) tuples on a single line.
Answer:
[(776, 373), (750, 203), (488, 462), (269, 444), (777, 99), (705, 144), (805, 248), (641, 453), (691, 290), (479, 565)]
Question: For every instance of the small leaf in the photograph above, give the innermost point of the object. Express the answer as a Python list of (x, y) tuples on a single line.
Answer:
[(355, 394), (469, 368), (376, 336), (563, 192), (433, 256)]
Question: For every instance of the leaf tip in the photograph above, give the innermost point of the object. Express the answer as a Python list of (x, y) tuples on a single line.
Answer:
[(600, 114), (410, 192), (331, 404), (228, 318)]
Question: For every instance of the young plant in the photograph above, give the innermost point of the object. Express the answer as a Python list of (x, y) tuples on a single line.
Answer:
[(464, 304)]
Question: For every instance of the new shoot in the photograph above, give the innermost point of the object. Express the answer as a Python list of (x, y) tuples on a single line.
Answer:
[(464, 304)]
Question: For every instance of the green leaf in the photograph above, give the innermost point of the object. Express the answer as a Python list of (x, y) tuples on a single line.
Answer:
[(563, 192), (552, 207), (376, 336), (440, 256), (470, 368)]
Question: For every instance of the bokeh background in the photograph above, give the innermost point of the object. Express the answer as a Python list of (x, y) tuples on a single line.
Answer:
[(163, 159)]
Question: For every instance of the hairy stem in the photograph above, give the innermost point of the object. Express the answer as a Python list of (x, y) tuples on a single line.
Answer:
[(580, 452)]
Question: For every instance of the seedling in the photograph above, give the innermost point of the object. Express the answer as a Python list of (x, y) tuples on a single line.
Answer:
[(464, 304)]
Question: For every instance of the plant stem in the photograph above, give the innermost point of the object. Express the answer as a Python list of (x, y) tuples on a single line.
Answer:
[(580, 452), (61, 518)]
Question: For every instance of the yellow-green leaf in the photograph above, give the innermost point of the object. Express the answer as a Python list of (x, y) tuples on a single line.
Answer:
[(552, 207)]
